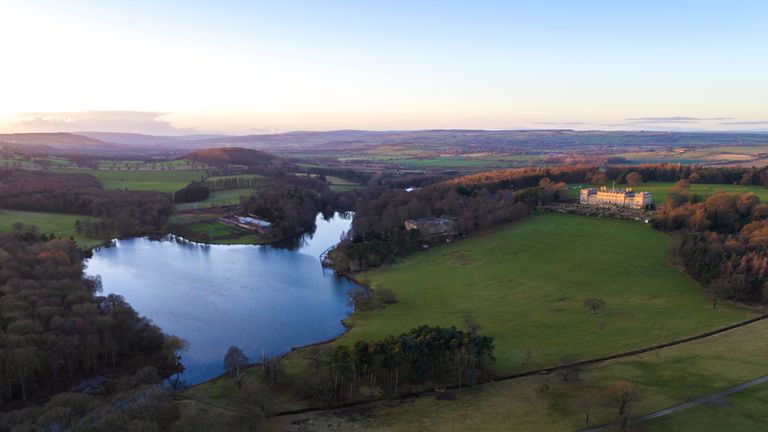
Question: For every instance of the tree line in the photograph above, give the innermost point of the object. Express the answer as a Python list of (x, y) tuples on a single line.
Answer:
[(124, 213), (476, 202), (55, 328), (193, 192), (232, 182), (693, 173), (291, 204), (725, 241), (334, 375)]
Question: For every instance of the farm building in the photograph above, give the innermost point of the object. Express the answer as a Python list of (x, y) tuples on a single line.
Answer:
[(615, 197), (246, 222), (433, 226)]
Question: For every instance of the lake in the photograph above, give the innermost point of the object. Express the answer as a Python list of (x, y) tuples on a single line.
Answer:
[(259, 298)]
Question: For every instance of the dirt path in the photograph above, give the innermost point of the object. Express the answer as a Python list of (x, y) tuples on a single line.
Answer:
[(710, 398)]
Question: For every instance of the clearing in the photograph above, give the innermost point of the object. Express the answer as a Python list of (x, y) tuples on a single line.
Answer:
[(58, 224)]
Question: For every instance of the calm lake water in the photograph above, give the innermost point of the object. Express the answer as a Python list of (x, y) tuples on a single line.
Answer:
[(259, 298)]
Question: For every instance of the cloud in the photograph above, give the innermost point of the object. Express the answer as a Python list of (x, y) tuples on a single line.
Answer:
[(747, 123), (674, 119), (566, 123), (145, 122)]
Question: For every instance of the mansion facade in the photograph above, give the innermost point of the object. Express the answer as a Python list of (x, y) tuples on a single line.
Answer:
[(615, 197)]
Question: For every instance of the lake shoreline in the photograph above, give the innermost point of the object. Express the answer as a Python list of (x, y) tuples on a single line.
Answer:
[(269, 298)]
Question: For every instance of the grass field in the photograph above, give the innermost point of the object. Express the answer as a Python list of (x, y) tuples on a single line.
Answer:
[(178, 164), (339, 184), (545, 403), (59, 224), (526, 285), (161, 181), (742, 412), (218, 198), (661, 189), (217, 232)]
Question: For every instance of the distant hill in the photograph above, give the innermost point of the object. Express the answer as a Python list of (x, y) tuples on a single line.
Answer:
[(137, 139), (52, 141), (550, 146), (227, 156), (133, 139)]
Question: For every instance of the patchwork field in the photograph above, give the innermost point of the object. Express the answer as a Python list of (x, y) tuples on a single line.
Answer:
[(339, 184), (526, 285), (161, 181), (58, 224)]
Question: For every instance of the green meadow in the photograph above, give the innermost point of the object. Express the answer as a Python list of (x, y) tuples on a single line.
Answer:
[(58, 224), (218, 198), (339, 184), (161, 181), (662, 379), (741, 412), (526, 285)]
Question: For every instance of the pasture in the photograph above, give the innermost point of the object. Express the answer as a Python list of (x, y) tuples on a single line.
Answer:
[(661, 378), (217, 198), (526, 285), (58, 224), (161, 181), (741, 412)]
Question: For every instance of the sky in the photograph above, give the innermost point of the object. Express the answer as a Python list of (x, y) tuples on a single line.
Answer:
[(244, 66)]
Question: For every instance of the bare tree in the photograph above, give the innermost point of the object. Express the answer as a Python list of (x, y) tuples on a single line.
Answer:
[(621, 394), (234, 363), (588, 398), (570, 370), (470, 322), (595, 304), (252, 404), (634, 178)]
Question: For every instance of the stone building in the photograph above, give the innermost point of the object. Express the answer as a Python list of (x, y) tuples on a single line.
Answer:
[(615, 197), (433, 226)]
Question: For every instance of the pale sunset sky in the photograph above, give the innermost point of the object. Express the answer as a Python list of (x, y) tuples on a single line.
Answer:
[(228, 66)]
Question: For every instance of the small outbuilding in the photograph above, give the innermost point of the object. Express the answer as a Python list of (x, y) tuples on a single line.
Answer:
[(433, 226)]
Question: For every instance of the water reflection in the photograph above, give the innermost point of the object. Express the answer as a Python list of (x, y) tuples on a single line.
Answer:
[(260, 298)]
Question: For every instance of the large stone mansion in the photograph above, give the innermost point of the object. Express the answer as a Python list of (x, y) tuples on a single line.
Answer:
[(615, 197)]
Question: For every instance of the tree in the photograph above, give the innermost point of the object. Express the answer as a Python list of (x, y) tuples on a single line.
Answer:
[(621, 395), (595, 304), (470, 322), (234, 362), (252, 404), (588, 398), (634, 178), (570, 370)]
